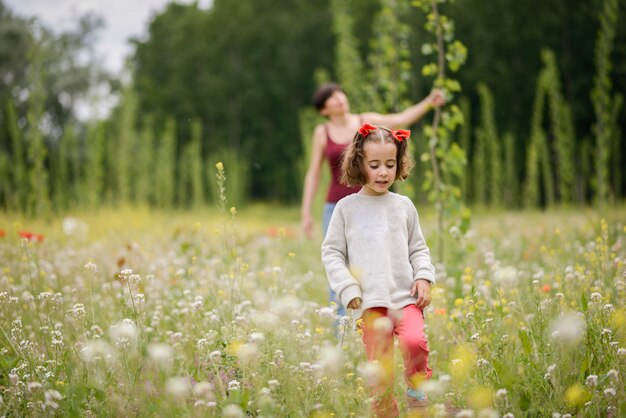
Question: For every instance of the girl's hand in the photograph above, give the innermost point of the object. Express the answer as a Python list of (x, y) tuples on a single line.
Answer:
[(421, 289), (355, 303)]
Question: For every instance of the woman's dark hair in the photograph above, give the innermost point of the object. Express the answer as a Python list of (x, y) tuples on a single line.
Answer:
[(323, 93), (352, 167)]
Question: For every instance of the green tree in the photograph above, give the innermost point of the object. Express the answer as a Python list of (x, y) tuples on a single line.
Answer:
[(446, 157), (94, 178), (144, 164), (125, 143), (487, 134), (562, 128), (18, 180), (511, 179), (38, 197), (389, 58), (601, 98), (165, 167)]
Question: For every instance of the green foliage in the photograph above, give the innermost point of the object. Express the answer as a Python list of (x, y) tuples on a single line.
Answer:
[(351, 72), (38, 197), (562, 128), (165, 166), (94, 178), (237, 180), (446, 157), (511, 183), (124, 144), (191, 173), (601, 98), (465, 141), (616, 149), (16, 197), (145, 164), (487, 137), (389, 58)]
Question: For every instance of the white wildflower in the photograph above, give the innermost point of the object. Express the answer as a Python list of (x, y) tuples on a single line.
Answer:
[(371, 372), (568, 328), (247, 353), (124, 333), (178, 387), (383, 324), (331, 359), (234, 385), (592, 380), (609, 392), (161, 354), (204, 390), (232, 411)]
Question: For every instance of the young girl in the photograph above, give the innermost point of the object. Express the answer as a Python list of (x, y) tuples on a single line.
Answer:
[(377, 261)]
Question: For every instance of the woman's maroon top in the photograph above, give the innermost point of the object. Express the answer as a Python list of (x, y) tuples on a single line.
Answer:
[(334, 153)]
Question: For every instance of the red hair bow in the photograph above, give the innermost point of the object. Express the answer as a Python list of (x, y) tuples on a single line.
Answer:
[(366, 128), (401, 134)]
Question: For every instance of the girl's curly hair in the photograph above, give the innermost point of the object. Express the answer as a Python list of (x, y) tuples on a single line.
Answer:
[(352, 167)]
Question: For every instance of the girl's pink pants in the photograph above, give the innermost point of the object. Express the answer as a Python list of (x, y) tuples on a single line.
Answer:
[(379, 327)]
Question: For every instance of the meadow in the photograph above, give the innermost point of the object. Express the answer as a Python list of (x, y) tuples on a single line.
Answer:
[(136, 312)]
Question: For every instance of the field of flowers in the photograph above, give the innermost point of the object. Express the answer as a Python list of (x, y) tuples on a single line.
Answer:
[(219, 313)]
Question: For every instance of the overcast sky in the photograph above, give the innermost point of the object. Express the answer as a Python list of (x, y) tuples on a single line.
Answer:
[(123, 19)]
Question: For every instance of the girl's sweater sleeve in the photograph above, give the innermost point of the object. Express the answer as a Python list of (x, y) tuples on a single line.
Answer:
[(335, 259), (419, 254)]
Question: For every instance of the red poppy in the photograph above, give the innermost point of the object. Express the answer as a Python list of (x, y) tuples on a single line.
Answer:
[(2, 233), (31, 236), (546, 288), (440, 311)]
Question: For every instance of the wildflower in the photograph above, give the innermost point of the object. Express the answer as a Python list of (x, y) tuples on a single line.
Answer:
[(592, 380), (257, 337), (178, 387), (383, 324), (609, 392), (326, 312), (78, 311), (612, 374), (331, 359), (596, 297), (508, 415), (502, 393), (204, 390), (621, 351), (91, 267), (124, 333), (372, 372), (247, 353), (568, 328), (576, 395), (546, 288), (32, 386), (273, 383), (51, 396), (2, 233), (215, 355), (465, 413), (96, 350), (30, 236), (232, 411), (219, 166), (234, 385), (160, 353)]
